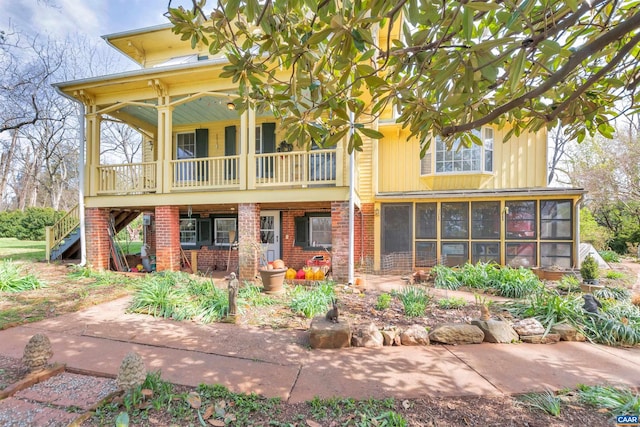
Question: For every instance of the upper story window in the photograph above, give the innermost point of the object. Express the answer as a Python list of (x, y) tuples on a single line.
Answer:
[(476, 158)]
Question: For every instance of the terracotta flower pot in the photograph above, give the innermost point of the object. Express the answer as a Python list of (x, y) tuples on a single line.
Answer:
[(273, 280)]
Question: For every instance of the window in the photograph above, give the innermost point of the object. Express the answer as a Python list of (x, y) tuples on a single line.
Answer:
[(455, 220), (188, 234), (521, 219), (322, 166), (455, 253), (426, 254), (196, 232), (555, 219), (221, 229), (485, 252), (485, 220), (520, 254), (313, 231), (192, 145), (555, 254), (185, 146), (320, 231), (476, 158), (397, 228), (426, 220)]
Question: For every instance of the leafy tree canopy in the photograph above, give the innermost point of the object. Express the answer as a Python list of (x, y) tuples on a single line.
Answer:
[(456, 65)]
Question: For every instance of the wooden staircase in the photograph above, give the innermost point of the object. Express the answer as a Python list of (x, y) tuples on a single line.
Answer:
[(63, 238)]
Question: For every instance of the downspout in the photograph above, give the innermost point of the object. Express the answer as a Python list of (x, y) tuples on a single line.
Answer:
[(81, 177), (352, 197)]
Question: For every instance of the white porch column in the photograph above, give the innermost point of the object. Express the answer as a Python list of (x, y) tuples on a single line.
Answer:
[(164, 176)]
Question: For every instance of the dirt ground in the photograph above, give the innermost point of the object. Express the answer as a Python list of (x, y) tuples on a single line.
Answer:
[(63, 295)]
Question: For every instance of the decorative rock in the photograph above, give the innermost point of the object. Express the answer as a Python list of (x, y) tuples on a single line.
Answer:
[(326, 334), (132, 372), (567, 332), (367, 336), (540, 339), (37, 352), (391, 337), (457, 333), (496, 331), (531, 326), (414, 335)]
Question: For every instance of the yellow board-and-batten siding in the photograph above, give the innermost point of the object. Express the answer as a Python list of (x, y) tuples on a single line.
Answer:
[(520, 162)]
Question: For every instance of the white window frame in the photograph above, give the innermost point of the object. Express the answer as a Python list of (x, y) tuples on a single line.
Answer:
[(215, 230), (190, 232), (312, 241), (430, 165), (180, 135)]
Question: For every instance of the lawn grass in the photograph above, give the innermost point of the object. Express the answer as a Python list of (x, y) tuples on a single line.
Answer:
[(130, 248), (21, 250)]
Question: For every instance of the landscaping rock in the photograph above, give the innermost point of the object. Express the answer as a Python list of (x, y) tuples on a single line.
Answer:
[(567, 332), (540, 339), (457, 333), (414, 335), (367, 336), (496, 331), (526, 327), (326, 334), (391, 337)]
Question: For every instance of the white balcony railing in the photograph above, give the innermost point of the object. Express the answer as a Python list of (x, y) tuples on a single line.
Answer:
[(208, 173), (128, 178), (304, 168)]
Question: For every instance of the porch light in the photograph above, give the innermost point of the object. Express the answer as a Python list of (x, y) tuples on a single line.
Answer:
[(231, 106)]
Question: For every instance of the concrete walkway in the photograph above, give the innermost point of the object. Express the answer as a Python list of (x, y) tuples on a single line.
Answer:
[(280, 364)]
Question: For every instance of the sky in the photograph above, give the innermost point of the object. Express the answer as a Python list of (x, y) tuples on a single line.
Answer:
[(95, 18)]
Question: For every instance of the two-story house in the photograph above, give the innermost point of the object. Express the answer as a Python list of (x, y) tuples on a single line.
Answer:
[(210, 177)]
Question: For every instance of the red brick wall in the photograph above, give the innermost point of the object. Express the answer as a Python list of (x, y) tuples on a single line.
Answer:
[(216, 260), (340, 239), (248, 235), (294, 256), (167, 238), (364, 234), (151, 233), (97, 232)]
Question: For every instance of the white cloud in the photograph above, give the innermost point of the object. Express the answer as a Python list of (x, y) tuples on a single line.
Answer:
[(57, 18)]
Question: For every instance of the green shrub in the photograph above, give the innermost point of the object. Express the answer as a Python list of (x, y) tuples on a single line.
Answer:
[(414, 300), (445, 277), (452, 302), (384, 301), (547, 402), (589, 269), (312, 301), (28, 225), (616, 293), (13, 279), (614, 275), (617, 400), (549, 308), (610, 256), (569, 283), (516, 282)]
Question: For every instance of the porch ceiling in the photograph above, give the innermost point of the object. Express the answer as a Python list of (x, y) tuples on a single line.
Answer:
[(201, 110)]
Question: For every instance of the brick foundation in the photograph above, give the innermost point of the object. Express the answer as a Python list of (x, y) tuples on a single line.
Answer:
[(97, 232), (248, 235), (167, 238), (210, 260)]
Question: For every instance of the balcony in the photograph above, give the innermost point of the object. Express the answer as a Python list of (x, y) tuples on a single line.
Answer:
[(298, 169)]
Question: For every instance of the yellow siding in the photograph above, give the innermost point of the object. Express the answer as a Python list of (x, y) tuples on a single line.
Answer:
[(518, 163)]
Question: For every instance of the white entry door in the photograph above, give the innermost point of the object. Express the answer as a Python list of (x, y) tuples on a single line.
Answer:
[(270, 233)]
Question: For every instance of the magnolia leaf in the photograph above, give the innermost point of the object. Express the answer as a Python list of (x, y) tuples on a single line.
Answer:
[(312, 423), (516, 69), (208, 412), (194, 400)]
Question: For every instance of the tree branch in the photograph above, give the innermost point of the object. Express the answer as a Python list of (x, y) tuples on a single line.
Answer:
[(574, 61)]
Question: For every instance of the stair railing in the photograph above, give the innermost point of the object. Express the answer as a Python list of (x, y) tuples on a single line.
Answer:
[(61, 229)]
